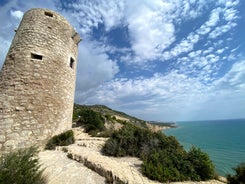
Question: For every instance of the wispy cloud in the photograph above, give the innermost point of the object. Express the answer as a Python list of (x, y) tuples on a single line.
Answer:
[(92, 13), (17, 13), (94, 67), (173, 95)]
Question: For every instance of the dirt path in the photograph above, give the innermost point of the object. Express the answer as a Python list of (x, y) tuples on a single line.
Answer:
[(61, 170)]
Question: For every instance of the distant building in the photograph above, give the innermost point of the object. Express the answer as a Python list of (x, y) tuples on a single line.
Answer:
[(37, 81)]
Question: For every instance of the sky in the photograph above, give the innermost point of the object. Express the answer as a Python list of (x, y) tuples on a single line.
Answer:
[(161, 60)]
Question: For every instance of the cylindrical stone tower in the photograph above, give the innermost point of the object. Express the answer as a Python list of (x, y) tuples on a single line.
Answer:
[(37, 81)]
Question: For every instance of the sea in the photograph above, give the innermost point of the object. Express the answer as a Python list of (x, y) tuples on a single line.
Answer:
[(223, 140)]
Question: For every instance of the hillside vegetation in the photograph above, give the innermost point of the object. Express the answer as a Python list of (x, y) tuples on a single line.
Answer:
[(101, 114), (21, 167), (164, 159), (101, 120)]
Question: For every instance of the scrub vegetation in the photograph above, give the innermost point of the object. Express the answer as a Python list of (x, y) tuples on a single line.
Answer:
[(164, 159), (239, 176), (63, 139), (21, 167)]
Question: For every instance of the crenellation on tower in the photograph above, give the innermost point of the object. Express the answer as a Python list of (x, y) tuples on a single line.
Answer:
[(37, 81)]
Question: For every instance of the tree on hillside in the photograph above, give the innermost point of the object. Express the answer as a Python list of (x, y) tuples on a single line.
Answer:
[(91, 120)]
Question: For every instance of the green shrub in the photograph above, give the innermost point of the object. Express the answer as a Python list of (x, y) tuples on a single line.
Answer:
[(91, 120), (203, 166), (21, 167), (64, 149), (164, 159), (159, 167), (239, 176), (135, 141), (169, 164), (69, 155), (126, 141), (62, 139)]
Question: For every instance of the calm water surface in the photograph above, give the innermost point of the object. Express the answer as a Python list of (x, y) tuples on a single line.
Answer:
[(223, 140)]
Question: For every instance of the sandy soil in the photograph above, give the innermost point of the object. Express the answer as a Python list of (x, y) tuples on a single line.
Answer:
[(61, 170)]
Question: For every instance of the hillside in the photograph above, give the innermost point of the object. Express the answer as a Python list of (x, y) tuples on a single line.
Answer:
[(133, 154), (123, 156), (106, 119)]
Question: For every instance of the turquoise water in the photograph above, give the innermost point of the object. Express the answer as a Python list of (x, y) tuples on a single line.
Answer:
[(223, 140)]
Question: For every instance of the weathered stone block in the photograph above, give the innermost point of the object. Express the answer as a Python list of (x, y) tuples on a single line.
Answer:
[(26, 133), (2, 138), (10, 145), (13, 136), (19, 108)]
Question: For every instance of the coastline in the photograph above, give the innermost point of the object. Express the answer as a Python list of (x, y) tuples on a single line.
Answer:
[(217, 138), (159, 126)]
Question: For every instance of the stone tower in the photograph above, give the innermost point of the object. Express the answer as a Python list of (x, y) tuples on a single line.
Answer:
[(37, 81)]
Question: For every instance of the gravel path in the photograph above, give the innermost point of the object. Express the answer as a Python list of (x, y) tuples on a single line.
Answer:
[(61, 170)]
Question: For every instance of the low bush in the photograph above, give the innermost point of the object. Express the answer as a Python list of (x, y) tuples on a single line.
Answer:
[(64, 149), (69, 155), (239, 176), (92, 121), (164, 159), (127, 141), (63, 139), (21, 167), (202, 164)]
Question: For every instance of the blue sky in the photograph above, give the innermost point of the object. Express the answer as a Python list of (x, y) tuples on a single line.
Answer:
[(154, 59)]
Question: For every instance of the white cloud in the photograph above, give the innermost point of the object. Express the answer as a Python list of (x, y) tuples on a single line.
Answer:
[(94, 68), (211, 26), (185, 45), (149, 94), (226, 95), (91, 13), (218, 31), (234, 79), (16, 13), (230, 14), (150, 32), (220, 51), (214, 17), (228, 3), (163, 97), (150, 23)]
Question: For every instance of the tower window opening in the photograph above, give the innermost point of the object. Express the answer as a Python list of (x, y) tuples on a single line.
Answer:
[(72, 62), (49, 14), (36, 56)]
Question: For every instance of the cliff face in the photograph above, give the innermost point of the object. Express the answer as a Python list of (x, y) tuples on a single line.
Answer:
[(156, 128)]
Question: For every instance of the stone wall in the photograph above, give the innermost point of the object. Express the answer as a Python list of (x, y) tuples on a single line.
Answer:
[(37, 81)]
